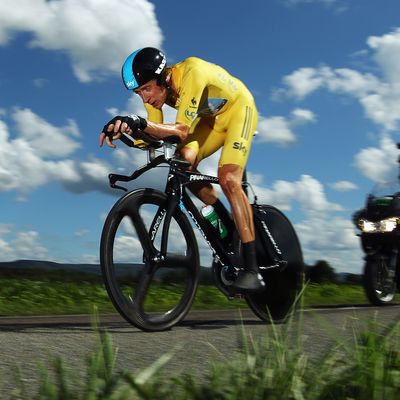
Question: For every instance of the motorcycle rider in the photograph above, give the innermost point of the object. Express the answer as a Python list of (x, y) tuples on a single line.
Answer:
[(214, 110)]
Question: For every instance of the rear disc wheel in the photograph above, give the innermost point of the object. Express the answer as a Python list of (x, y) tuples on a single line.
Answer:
[(282, 285)]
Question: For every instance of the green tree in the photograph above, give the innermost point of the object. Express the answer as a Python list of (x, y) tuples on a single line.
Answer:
[(321, 272)]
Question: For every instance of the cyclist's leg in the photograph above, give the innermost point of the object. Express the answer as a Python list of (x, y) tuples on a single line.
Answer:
[(201, 143), (231, 176), (240, 131)]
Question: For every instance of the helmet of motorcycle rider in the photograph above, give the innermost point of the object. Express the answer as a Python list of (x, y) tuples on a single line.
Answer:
[(142, 66)]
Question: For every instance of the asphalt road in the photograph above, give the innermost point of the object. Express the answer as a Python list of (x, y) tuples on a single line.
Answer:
[(203, 337)]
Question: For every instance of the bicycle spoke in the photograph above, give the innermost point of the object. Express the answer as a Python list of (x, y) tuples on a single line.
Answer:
[(141, 230), (142, 286)]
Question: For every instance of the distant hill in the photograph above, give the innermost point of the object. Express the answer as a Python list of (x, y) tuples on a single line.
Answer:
[(51, 266), (24, 268)]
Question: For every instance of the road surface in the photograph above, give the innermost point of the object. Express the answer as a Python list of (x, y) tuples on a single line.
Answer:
[(204, 337)]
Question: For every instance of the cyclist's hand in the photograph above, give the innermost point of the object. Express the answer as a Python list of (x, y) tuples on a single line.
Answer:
[(108, 137), (114, 128)]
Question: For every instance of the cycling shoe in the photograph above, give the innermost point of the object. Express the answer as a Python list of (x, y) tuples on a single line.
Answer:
[(249, 281)]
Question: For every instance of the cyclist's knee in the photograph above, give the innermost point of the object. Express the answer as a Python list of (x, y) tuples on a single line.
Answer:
[(189, 154), (230, 179)]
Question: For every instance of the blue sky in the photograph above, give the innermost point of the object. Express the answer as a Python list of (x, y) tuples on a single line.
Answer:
[(324, 74)]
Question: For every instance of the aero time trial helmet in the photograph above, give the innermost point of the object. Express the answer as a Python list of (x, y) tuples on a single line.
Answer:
[(142, 66)]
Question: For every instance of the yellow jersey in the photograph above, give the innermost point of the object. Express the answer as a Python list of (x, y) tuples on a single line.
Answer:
[(203, 89), (218, 108)]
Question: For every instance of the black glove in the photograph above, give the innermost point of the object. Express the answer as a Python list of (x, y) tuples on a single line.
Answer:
[(133, 121)]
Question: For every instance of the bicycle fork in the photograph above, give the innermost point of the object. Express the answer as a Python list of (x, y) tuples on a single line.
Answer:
[(163, 215)]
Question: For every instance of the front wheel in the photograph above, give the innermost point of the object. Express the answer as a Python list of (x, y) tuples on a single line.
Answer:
[(379, 281), (278, 299), (150, 292)]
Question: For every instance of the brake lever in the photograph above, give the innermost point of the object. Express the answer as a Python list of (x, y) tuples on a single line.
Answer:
[(114, 186), (113, 178)]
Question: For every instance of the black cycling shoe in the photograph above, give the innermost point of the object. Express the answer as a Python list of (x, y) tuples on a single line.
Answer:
[(249, 280)]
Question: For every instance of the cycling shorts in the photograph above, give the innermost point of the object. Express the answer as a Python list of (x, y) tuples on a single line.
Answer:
[(233, 130)]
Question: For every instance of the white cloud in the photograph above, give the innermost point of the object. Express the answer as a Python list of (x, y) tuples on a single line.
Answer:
[(343, 186), (378, 95), (301, 116), (337, 6), (20, 245), (378, 164), (279, 130), (81, 233), (308, 192), (306, 81), (36, 153), (275, 130), (387, 50), (44, 139), (303, 82), (333, 239), (322, 233), (95, 34)]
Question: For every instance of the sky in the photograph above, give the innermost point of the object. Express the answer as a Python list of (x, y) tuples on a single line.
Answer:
[(324, 74)]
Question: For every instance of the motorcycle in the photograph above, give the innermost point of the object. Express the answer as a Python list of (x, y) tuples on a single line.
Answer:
[(379, 225)]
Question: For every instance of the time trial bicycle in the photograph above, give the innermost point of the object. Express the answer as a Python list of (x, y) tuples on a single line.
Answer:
[(150, 259)]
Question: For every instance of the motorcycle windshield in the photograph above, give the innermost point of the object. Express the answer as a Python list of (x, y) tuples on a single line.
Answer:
[(387, 189), (384, 201)]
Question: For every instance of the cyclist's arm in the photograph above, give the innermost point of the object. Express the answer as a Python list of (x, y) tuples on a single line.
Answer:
[(193, 84), (164, 130), (156, 127)]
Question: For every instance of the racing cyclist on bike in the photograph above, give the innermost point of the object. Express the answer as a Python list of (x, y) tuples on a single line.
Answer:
[(214, 110)]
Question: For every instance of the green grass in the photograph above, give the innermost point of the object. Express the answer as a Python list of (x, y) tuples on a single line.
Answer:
[(44, 297), (334, 294), (44, 293)]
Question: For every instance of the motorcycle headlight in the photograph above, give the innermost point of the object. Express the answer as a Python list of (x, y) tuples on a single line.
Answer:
[(383, 226)]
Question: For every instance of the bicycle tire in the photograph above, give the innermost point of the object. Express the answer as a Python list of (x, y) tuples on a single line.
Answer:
[(275, 303), (153, 296)]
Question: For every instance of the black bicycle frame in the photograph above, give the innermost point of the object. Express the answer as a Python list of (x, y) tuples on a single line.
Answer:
[(178, 198), (179, 178)]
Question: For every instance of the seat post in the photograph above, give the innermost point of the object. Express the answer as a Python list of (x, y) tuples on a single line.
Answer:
[(169, 150), (151, 154)]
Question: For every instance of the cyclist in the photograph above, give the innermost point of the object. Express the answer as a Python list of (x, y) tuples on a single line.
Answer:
[(214, 110)]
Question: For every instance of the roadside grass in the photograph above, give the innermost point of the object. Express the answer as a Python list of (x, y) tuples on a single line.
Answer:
[(57, 293), (46, 292), (274, 367)]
